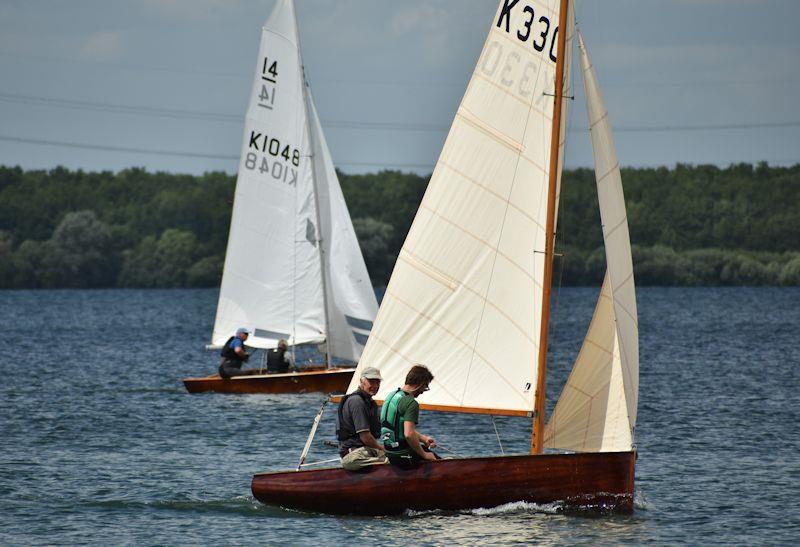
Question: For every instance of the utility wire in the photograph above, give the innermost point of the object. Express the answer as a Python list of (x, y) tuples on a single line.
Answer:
[(343, 124), (176, 153)]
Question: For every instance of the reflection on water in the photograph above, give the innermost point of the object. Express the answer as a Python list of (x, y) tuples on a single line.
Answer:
[(101, 442)]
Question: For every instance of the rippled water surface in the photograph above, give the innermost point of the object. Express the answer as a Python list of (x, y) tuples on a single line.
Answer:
[(101, 444)]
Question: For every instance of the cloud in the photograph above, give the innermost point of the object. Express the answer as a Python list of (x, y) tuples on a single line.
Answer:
[(102, 46)]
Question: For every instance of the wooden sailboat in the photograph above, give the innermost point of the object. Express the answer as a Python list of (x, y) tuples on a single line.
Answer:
[(470, 296), (293, 267)]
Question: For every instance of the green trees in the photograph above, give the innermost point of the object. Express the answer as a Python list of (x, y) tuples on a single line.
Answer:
[(690, 225)]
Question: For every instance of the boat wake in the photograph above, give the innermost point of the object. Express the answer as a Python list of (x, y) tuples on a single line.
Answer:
[(505, 509), (242, 505)]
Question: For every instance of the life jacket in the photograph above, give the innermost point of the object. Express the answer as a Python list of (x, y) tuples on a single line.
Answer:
[(392, 430), (228, 352), (344, 432), (275, 361)]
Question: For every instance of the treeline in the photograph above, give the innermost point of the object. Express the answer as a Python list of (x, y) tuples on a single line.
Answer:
[(691, 225)]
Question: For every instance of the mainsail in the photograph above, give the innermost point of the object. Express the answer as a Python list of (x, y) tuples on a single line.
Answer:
[(466, 293), (597, 408), (290, 225)]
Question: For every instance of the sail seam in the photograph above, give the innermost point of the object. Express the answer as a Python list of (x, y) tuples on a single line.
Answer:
[(465, 344), (617, 303), (480, 296), (492, 192), (504, 91), (607, 173), (484, 242), (439, 386), (616, 227), (602, 118)]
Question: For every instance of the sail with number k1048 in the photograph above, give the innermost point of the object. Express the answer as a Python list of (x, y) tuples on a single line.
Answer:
[(466, 292), (293, 268)]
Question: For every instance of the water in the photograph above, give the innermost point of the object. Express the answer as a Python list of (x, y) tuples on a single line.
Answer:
[(101, 444)]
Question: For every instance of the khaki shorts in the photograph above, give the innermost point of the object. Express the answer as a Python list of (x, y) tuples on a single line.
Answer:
[(362, 457)]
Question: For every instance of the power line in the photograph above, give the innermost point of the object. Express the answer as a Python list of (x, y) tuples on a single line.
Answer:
[(343, 124), (182, 154)]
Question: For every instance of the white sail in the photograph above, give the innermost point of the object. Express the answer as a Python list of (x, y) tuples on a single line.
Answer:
[(272, 281), (466, 293), (597, 409), (351, 300)]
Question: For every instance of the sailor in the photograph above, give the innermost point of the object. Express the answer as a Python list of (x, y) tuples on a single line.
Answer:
[(233, 354), (359, 424), (278, 359), (404, 445)]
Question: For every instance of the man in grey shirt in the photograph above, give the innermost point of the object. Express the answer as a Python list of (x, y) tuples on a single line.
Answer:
[(359, 424)]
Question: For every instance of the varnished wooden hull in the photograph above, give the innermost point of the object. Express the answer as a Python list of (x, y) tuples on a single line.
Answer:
[(601, 480), (325, 381)]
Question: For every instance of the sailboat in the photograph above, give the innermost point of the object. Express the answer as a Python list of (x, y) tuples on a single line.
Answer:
[(293, 268), (470, 297)]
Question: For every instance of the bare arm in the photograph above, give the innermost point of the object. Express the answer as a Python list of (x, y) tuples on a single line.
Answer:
[(368, 440), (413, 437)]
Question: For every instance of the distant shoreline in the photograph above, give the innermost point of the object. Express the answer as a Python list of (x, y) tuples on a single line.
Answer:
[(689, 225)]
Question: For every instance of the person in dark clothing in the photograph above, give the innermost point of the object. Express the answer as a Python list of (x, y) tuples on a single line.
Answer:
[(359, 424), (233, 354), (279, 360)]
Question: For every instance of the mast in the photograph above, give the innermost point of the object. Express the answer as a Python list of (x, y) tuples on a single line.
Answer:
[(316, 201), (537, 438)]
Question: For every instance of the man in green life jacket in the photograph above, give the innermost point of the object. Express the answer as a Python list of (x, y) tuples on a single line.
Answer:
[(403, 444)]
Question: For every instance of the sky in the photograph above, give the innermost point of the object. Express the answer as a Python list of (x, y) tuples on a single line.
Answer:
[(163, 84)]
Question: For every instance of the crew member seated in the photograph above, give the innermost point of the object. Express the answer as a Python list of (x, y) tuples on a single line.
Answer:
[(359, 424), (279, 360), (233, 354), (404, 445)]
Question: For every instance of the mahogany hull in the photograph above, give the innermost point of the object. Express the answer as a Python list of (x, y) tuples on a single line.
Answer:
[(325, 381), (600, 481)]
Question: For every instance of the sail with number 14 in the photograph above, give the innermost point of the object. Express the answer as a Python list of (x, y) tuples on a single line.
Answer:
[(293, 268)]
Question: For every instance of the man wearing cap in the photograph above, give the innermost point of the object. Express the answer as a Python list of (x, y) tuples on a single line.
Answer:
[(359, 424), (233, 354)]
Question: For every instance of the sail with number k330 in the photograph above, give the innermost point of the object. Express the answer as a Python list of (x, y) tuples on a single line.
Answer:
[(597, 408), (465, 295), (290, 224)]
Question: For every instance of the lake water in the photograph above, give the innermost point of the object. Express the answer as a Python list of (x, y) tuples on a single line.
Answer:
[(101, 444)]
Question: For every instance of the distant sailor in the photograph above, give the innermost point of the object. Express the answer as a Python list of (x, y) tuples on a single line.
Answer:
[(279, 360), (404, 445), (233, 354), (359, 424)]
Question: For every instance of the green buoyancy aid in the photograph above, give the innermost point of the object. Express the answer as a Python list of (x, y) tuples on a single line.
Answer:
[(392, 430)]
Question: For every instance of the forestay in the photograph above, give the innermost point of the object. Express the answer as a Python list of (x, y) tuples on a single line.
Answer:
[(597, 408), (466, 292)]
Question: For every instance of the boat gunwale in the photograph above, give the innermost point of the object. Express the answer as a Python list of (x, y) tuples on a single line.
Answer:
[(215, 376), (446, 460)]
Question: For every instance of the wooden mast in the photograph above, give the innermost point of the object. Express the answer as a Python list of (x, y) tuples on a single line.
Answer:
[(537, 441)]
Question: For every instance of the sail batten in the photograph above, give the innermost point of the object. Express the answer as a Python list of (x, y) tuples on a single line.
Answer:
[(465, 294)]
